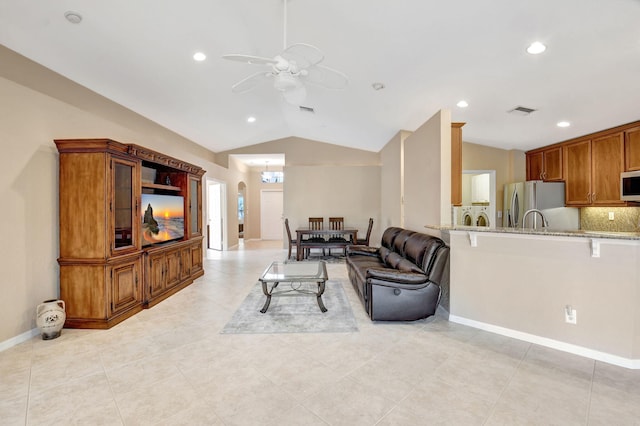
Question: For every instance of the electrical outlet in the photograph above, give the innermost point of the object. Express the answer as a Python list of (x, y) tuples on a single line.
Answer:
[(570, 315), (611, 215)]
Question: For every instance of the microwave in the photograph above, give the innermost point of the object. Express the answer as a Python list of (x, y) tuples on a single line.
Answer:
[(630, 186)]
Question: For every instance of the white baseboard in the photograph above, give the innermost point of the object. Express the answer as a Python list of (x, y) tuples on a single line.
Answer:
[(19, 339), (550, 343)]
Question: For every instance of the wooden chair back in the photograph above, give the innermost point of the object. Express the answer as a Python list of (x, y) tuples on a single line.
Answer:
[(336, 223), (366, 241), (291, 241), (316, 223)]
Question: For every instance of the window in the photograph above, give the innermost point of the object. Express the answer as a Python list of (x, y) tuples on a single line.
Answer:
[(272, 177)]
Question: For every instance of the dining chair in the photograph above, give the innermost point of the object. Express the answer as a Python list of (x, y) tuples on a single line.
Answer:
[(365, 241), (292, 242), (315, 223), (337, 224)]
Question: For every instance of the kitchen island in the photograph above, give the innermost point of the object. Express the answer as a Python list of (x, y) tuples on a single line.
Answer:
[(519, 283)]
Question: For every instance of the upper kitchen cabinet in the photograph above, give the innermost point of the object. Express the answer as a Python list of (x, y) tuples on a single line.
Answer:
[(456, 163), (592, 171), (632, 149), (545, 164)]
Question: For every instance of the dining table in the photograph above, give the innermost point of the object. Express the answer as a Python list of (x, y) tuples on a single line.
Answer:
[(350, 234)]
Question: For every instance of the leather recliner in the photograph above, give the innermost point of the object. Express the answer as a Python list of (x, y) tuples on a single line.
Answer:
[(402, 280)]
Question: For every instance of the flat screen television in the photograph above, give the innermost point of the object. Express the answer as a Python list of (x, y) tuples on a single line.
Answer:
[(162, 218)]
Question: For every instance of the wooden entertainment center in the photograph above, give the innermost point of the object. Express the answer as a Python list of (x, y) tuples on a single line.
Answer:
[(107, 272)]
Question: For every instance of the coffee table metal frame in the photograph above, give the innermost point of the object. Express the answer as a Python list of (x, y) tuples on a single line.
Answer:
[(294, 272)]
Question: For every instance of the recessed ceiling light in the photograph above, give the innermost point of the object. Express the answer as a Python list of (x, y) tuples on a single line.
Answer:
[(563, 124), (199, 56), (377, 86), (536, 47), (73, 17), (251, 119), (462, 104)]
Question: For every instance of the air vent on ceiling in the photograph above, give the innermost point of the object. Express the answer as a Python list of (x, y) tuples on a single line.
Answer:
[(520, 110), (306, 109)]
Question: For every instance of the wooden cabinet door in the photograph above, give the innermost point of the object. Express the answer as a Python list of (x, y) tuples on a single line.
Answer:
[(577, 166), (185, 265), (552, 164), (535, 166), (123, 203), (632, 149), (607, 155), (194, 205), (156, 281), (196, 258), (172, 273), (125, 288), (456, 163)]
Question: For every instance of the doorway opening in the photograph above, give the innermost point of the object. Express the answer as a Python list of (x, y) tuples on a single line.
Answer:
[(242, 194), (216, 209)]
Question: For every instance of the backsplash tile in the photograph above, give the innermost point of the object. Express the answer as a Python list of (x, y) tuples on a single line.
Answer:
[(626, 219)]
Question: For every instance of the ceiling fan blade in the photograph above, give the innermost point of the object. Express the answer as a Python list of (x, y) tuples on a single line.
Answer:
[(326, 77), (304, 55), (249, 59), (250, 82)]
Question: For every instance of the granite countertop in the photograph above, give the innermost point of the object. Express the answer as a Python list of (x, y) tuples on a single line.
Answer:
[(580, 233)]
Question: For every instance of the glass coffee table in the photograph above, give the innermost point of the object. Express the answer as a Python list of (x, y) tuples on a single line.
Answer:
[(294, 273)]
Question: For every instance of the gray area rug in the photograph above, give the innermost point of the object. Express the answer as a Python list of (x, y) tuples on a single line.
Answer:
[(294, 312)]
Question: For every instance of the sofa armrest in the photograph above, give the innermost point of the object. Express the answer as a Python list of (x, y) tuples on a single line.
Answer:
[(362, 250), (394, 276)]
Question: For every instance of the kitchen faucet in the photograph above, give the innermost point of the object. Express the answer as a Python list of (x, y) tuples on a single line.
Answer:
[(545, 223)]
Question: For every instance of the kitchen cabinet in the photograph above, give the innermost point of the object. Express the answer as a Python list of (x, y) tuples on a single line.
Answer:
[(545, 164), (456, 163), (481, 188), (592, 171), (632, 149)]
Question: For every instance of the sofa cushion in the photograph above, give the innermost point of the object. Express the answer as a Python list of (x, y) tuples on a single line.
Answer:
[(392, 260), (383, 252), (388, 236), (407, 266), (400, 240)]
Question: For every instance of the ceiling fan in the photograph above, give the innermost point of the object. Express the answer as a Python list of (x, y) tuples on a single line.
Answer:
[(290, 70)]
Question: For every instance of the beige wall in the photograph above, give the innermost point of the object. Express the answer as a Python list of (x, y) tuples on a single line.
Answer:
[(321, 180), (427, 174), (524, 282), (29, 121), (352, 192), (510, 166), (391, 187)]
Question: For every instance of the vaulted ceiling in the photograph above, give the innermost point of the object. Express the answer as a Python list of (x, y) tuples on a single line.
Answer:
[(428, 55)]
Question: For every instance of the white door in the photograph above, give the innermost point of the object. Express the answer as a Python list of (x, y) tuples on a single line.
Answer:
[(271, 211), (215, 199)]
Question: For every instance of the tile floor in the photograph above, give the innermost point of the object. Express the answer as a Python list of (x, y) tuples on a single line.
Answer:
[(169, 365)]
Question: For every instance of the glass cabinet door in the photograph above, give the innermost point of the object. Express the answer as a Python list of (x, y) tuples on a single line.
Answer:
[(195, 202), (123, 205)]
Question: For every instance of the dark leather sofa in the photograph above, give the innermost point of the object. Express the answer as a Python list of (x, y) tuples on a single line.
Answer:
[(402, 280)]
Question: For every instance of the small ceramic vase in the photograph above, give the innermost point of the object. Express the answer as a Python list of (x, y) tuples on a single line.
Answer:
[(50, 316)]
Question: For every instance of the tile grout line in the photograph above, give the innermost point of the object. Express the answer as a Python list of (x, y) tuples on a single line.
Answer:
[(588, 413), (515, 371)]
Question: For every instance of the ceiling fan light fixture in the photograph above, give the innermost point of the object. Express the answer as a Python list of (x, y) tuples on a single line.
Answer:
[(199, 56), (285, 82)]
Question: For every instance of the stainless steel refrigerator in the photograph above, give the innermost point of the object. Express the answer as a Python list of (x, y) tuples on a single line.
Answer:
[(547, 197)]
